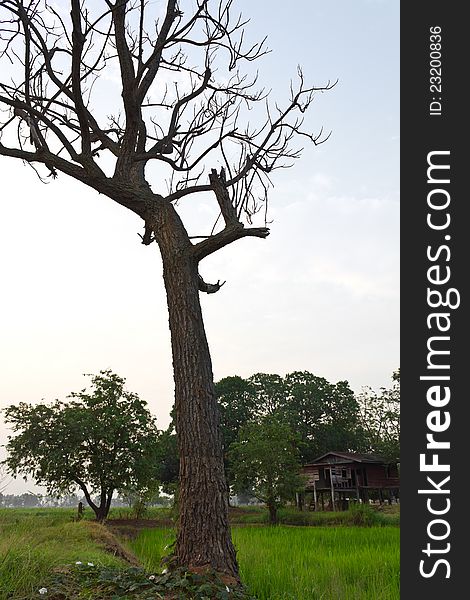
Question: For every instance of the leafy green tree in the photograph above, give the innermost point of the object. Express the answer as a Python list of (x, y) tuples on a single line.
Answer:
[(237, 401), (270, 391), (140, 496), (168, 460), (265, 460), (325, 415), (380, 419), (100, 442)]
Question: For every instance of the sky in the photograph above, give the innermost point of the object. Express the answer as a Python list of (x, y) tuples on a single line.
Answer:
[(80, 293)]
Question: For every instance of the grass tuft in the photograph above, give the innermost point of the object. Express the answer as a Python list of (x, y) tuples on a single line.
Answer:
[(34, 545)]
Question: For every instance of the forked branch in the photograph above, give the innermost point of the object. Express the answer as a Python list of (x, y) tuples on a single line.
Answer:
[(183, 101)]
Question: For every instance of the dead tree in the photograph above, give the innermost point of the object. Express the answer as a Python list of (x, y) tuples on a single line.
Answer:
[(181, 110)]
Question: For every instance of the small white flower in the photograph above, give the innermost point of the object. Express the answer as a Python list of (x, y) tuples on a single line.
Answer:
[(152, 577), (79, 562), (43, 591), (166, 547), (227, 588), (164, 571), (90, 564)]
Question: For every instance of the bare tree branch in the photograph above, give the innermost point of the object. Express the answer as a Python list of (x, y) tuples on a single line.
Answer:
[(225, 237), (209, 288), (153, 63), (188, 127)]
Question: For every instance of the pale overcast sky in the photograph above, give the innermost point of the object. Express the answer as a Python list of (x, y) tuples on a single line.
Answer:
[(80, 293)]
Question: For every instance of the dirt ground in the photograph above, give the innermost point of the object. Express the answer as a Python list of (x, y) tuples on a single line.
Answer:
[(130, 528)]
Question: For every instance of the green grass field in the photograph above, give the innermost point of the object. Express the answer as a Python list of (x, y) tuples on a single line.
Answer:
[(34, 542), (334, 563), (304, 563), (359, 515), (277, 563)]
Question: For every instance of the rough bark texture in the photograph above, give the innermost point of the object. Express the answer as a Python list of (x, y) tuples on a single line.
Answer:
[(204, 533)]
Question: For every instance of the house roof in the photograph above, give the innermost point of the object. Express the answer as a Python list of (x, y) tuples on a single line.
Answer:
[(350, 457)]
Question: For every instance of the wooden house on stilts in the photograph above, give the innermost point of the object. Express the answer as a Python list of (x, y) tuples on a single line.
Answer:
[(336, 478)]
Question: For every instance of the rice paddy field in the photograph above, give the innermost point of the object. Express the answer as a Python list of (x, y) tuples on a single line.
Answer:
[(331, 560), (304, 563)]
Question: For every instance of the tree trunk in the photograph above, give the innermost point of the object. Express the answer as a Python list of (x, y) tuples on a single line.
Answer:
[(109, 499), (102, 511), (203, 538), (100, 514), (272, 514)]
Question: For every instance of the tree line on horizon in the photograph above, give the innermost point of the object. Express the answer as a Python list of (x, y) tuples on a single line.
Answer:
[(106, 442)]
